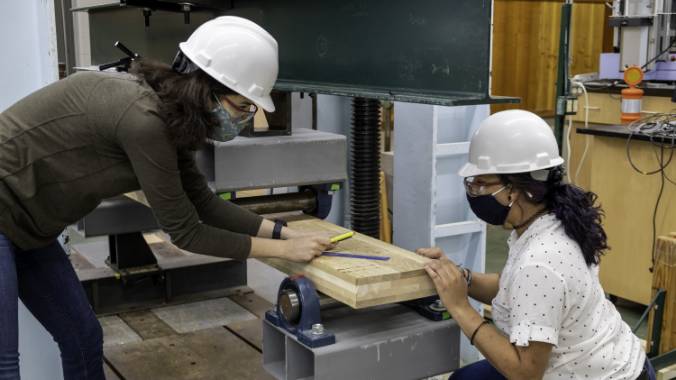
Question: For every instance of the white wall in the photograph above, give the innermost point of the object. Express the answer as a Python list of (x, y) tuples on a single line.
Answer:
[(29, 61), (29, 48)]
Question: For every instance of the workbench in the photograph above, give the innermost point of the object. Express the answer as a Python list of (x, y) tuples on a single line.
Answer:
[(627, 197)]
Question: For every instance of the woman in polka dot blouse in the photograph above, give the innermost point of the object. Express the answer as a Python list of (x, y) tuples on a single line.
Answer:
[(552, 320)]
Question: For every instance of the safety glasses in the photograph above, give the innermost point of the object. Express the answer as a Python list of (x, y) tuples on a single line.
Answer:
[(247, 112), (475, 187)]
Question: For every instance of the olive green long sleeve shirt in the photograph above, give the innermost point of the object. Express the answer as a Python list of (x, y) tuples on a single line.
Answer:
[(91, 136)]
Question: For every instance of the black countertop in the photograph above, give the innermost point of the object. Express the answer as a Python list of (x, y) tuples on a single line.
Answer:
[(617, 89), (619, 131)]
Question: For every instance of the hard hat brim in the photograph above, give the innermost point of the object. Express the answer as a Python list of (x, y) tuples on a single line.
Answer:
[(471, 170), (263, 102)]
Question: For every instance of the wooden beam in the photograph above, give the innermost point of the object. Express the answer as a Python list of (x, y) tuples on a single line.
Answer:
[(385, 225), (356, 282), (667, 373), (138, 196)]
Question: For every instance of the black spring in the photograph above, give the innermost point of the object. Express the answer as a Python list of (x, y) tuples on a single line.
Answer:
[(365, 167)]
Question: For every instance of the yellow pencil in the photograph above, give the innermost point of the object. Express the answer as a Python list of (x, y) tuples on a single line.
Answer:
[(341, 237)]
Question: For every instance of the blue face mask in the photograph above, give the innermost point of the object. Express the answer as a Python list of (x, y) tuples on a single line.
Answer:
[(228, 127)]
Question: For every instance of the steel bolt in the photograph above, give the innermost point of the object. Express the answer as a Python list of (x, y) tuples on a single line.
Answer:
[(317, 329)]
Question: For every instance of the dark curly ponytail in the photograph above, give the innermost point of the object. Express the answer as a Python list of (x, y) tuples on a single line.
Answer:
[(574, 207)]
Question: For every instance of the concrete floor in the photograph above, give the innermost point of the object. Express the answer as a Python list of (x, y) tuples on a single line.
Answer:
[(496, 256), (213, 339)]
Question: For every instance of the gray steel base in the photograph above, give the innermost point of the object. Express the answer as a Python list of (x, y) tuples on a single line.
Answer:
[(388, 342), (188, 277)]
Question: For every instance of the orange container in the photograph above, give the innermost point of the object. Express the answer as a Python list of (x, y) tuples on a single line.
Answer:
[(631, 104), (632, 96)]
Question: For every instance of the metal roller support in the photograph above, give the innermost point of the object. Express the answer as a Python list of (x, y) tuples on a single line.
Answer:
[(271, 204), (365, 166)]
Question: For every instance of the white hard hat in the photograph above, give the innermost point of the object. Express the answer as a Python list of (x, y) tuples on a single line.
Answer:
[(239, 54), (513, 141)]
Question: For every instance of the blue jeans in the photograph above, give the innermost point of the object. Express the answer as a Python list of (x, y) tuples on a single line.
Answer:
[(485, 371), (649, 370), (477, 370), (46, 283)]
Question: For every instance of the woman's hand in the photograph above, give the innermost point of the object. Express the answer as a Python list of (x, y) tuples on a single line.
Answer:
[(430, 253), (450, 282), (304, 249)]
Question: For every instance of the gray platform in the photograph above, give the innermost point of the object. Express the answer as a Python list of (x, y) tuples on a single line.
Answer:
[(389, 342), (181, 276)]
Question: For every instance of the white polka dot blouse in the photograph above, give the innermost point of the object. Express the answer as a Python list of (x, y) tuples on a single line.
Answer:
[(549, 294)]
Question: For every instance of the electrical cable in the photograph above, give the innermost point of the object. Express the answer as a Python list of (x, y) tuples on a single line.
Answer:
[(657, 205), (652, 172), (586, 126), (661, 132), (568, 148), (671, 154), (655, 58)]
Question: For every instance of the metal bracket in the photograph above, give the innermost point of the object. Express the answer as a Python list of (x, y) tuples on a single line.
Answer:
[(324, 196), (629, 21), (129, 251), (179, 6), (279, 122), (658, 304), (430, 308), (298, 312), (664, 360)]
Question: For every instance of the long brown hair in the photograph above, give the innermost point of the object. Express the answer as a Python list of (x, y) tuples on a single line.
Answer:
[(186, 101)]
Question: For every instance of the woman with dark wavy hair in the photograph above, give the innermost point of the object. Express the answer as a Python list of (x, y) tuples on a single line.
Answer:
[(551, 318), (96, 135)]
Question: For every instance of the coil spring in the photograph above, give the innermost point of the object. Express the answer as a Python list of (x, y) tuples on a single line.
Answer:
[(365, 166)]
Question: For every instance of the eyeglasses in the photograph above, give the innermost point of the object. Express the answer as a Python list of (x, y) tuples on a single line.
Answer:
[(246, 112), (475, 187), (250, 108)]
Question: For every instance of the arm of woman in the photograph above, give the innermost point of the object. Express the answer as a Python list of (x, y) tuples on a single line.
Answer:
[(514, 362), (220, 213), (213, 210), (484, 285), (175, 195), (525, 353)]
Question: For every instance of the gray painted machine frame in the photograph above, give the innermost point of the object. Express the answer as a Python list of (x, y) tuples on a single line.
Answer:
[(307, 157), (388, 342), (435, 53)]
